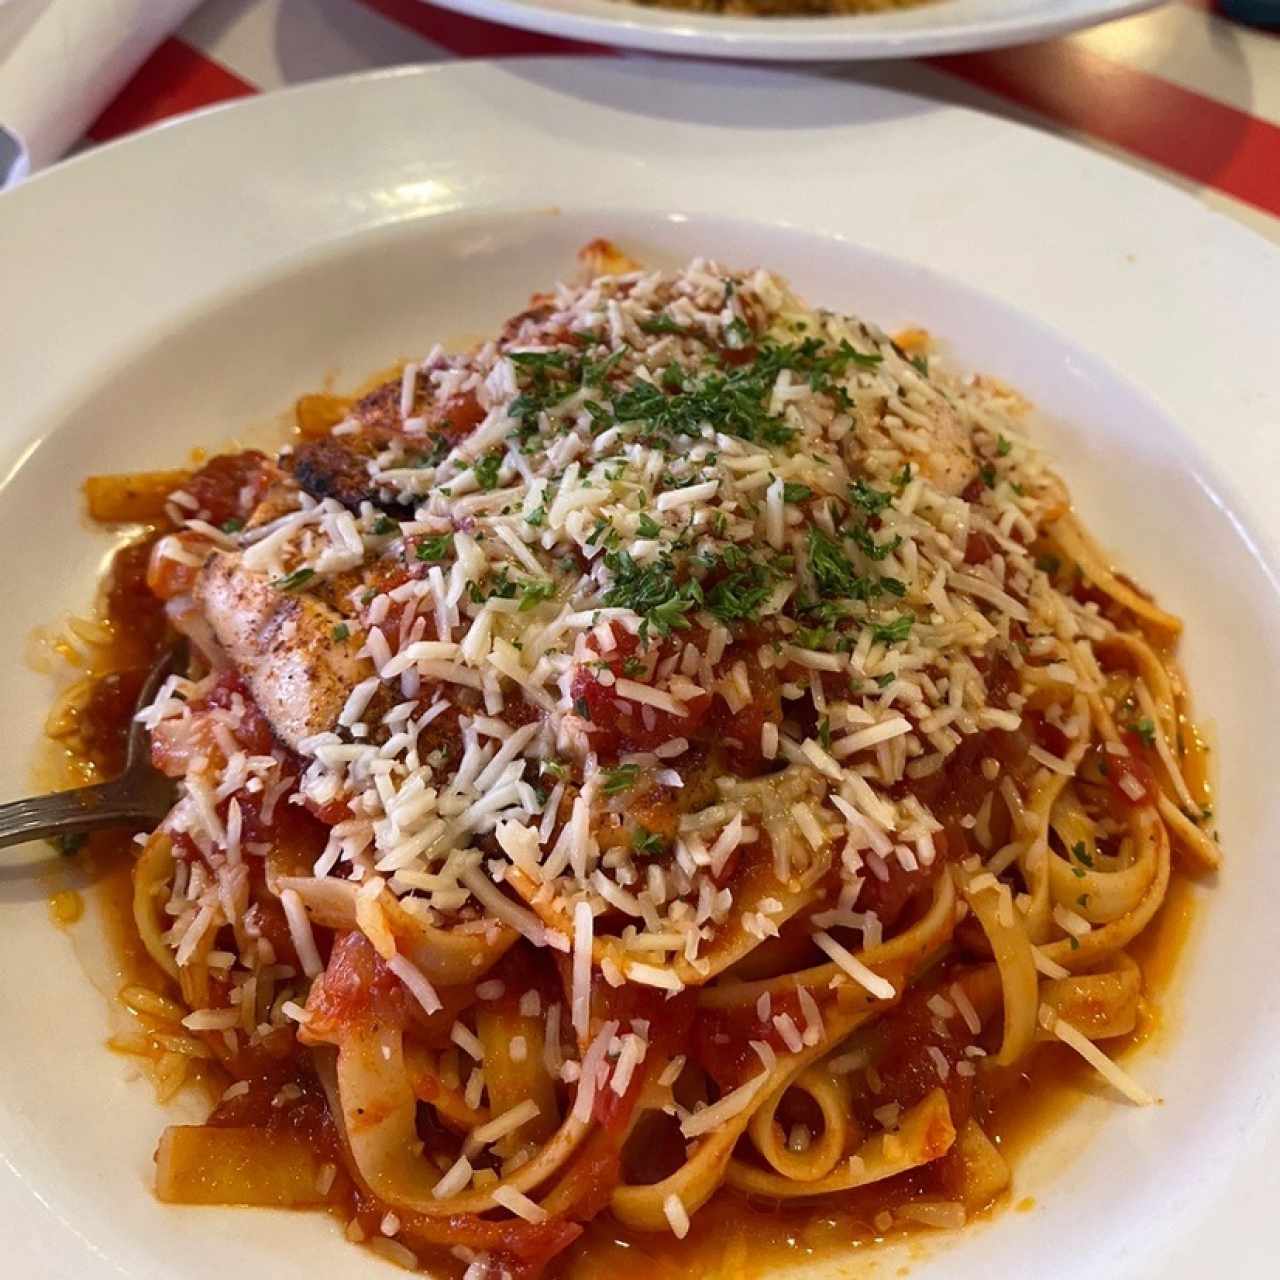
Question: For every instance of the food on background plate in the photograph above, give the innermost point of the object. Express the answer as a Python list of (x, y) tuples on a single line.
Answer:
[(685, 752), (786, 8)]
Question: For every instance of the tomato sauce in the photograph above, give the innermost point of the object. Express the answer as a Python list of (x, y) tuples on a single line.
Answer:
[(618, 724)]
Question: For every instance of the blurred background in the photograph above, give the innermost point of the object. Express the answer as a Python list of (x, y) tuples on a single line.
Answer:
[(1189, 89)]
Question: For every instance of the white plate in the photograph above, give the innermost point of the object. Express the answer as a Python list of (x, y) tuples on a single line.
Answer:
[(945, 26), (169, 290)]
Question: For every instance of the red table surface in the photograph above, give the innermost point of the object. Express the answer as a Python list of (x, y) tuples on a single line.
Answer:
[(1179, 90)]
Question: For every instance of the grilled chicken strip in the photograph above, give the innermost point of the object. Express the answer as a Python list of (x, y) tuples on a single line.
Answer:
[(948, 463), (283, 645)]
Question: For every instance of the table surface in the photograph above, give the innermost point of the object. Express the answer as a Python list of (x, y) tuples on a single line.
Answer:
[(1179, 91)]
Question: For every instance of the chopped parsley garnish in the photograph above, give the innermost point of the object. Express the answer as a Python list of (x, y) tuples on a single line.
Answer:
[(795, 492), (486, 470), (833, 573), (640, 402), (1146, 731), (539, 359), (295, 580), (872, 501), (813, 637), (648, 527), (632, 667), (535, 592), (1081, 854), (594, 373), (988, 475), (862, 538), (1003, 445), (1048, 564), (341, 631), (439, 452), (737, 332), (651, 591), (647, 843), (893, 632), (601, 418), (824, 732), (234, 525), (662, 323), (500, 585), (886, 679), (621, 779), (736, 402), (737, 597), (536, 516), (383, 526), (434, 548), (921, 364), (556, 768)]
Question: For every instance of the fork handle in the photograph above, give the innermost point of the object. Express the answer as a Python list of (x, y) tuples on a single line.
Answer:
[(68, 813)]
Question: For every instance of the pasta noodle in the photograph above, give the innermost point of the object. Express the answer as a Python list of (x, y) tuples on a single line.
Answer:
[(688, 747)]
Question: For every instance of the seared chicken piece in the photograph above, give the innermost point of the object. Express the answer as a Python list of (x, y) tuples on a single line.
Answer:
[(331, 468), (949, 463), (283, 645)]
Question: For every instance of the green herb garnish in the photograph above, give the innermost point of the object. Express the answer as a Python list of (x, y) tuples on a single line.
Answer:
[(661, 323), (295, 580), (893, 632), (651, 591), (486, 470), (434, 548), (647, 843), (872, 501), (621, 779), (535, 592)]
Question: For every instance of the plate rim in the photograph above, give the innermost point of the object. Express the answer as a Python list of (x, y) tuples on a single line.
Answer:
[(835, 38)]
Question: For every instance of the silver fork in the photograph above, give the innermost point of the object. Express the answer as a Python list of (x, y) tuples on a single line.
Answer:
[(140, 795)]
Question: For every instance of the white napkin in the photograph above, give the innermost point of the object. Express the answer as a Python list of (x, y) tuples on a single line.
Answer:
[(62, 61)]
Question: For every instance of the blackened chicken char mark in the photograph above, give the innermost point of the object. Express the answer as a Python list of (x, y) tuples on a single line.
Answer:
[(331, 468)]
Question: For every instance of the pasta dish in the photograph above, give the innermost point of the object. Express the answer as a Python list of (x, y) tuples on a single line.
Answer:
[(684, 751)]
